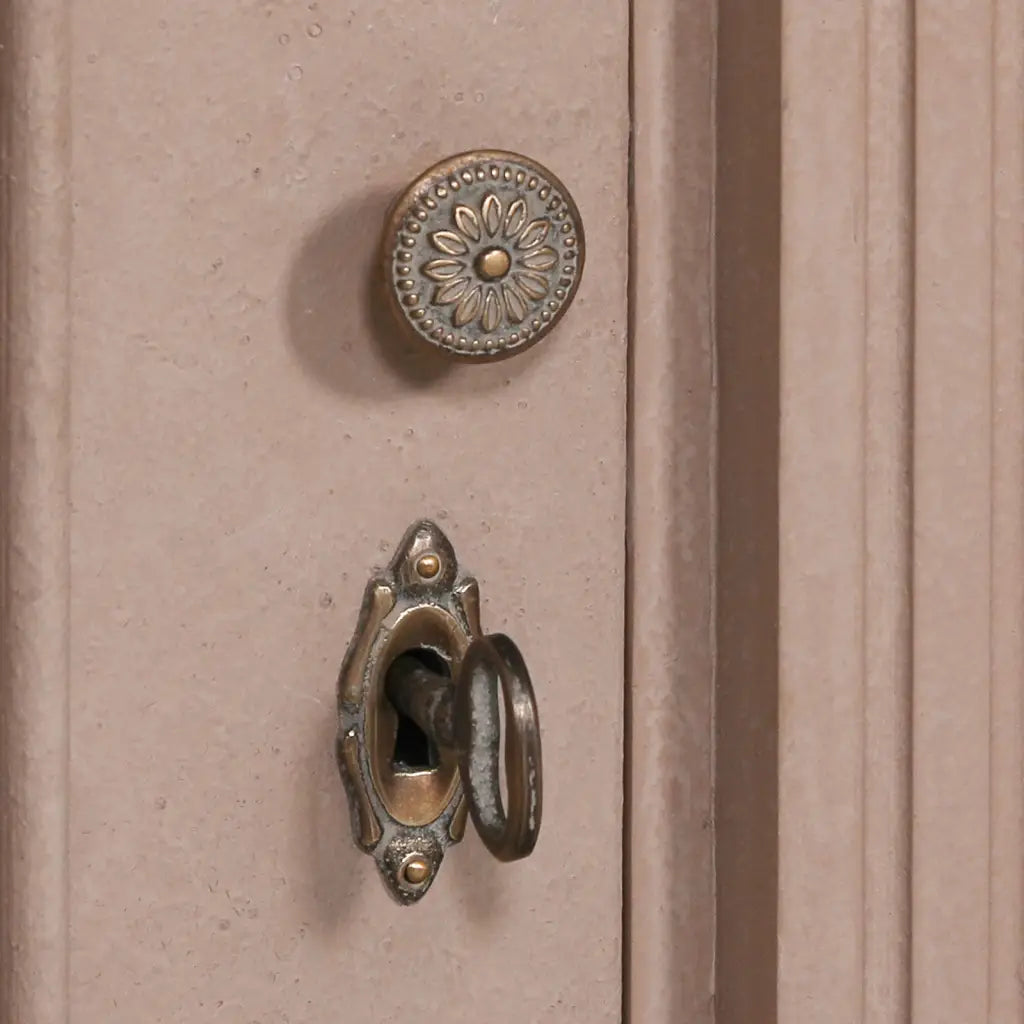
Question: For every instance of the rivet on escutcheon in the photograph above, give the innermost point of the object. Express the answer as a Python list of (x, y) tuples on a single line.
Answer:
[(416, 870), (428, 566)]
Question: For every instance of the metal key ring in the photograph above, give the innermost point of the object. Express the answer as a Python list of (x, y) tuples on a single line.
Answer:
[(493, 662)]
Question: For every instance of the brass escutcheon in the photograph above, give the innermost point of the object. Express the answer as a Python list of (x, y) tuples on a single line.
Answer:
[(419, 739)]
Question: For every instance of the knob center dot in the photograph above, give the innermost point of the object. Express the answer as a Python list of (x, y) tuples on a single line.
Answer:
[(493, 264)]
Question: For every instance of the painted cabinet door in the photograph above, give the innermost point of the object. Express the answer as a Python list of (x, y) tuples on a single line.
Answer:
[(213, 435), (251, 439)]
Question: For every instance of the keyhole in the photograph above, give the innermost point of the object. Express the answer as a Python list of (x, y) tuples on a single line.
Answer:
[(414, 751)]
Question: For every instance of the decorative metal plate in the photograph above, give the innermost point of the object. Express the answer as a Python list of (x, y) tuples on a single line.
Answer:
[(420, 668), (406, 819), (482, 254)]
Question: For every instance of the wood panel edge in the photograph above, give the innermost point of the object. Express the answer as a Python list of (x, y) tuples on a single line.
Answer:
[(669, 914), (35, 108)]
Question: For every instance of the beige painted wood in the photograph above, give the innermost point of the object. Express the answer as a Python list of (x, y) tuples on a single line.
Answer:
[(900, 797), (822, 700), (34, 635), (670, 911), (246, 436), (1005, 996), (210, 438), (247, 440), (968, 487)]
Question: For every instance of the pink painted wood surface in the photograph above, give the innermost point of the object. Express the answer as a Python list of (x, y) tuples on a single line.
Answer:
[(671, 902), (249, 441), (34, 558), (968, 790), (901, 513), (844, 514)]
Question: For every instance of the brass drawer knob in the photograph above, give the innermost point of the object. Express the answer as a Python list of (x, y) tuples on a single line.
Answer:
[(482, 254)]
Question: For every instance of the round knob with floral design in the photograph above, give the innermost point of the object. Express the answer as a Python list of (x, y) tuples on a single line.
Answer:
[(482, 254)]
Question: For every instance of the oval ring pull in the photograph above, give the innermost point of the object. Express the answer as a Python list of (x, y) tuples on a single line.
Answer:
[(494, 663)]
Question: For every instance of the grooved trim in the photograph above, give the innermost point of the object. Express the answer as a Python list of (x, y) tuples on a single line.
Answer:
[(968, 513)]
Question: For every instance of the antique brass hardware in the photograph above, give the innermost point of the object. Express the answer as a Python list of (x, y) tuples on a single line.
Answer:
[(420, 729), (482, 254)]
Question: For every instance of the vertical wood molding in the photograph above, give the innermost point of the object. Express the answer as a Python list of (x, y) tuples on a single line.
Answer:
[(968, 485), (901, 818), (821, 513), (35, 583), (887, 426), (670, 904), (1006, 757), (844, 507), (952, 512)]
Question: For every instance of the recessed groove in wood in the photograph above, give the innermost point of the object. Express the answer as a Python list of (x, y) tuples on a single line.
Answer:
[(747, 193)]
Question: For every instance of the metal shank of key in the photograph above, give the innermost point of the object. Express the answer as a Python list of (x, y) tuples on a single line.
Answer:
[(465, 716)]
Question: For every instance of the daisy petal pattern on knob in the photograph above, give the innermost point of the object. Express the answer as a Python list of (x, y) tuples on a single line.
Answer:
[(492, 264), (486, 253)]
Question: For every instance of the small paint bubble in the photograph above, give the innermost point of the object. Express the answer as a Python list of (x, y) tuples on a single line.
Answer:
[(479, 97), (459, 97), (314, 30), (295, 72), (284, 39), (326, 601)]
